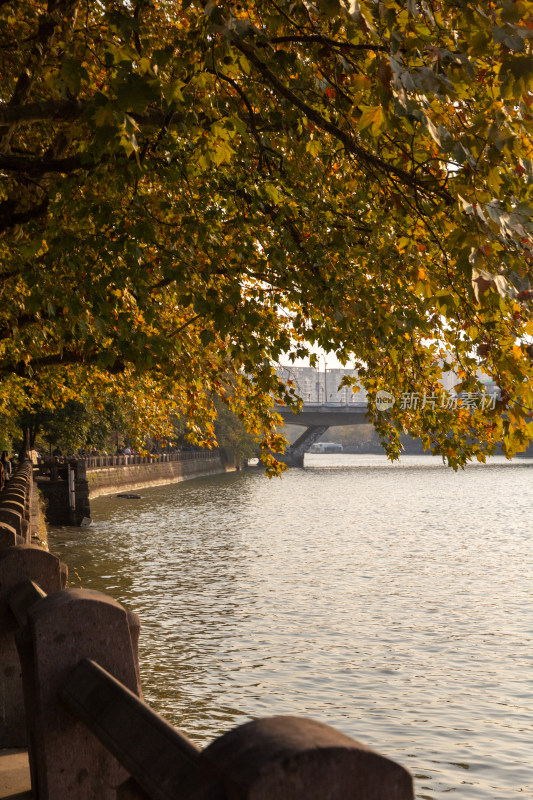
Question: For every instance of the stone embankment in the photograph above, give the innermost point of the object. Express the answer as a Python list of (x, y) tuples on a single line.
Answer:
[(70, 485), (106, 476), (71, 693)]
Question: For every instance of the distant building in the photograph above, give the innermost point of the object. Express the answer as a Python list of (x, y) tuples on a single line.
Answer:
[(316, 385), (319, 386), (450, 380)]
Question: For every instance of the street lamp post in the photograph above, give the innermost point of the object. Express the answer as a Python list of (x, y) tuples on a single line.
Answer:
[(325, 379)]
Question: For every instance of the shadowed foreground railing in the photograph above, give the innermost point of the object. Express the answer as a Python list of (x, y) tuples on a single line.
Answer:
[(16, 507), (70, 661)]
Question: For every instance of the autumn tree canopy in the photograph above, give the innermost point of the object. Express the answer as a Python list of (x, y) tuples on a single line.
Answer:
[(188, 190)]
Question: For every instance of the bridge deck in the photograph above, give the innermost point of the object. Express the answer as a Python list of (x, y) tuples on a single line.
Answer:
[(14, 775), (330, 414)]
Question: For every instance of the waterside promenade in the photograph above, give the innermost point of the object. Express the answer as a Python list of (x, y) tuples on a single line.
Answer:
[(15, 783)]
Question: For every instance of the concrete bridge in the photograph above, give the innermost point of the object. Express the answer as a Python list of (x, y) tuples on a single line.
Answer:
[(317, 418)]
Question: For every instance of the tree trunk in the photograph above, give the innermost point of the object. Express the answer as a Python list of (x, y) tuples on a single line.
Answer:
[(26, 444)]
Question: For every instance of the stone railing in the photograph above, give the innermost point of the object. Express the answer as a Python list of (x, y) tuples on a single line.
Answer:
[(92, 462), (17, 507), (70, 691)]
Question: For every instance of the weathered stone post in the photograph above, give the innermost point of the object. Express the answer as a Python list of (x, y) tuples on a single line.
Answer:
[(83, 508), (288, 757), (17, 565), (67, 492), (9, 536), (66, 759), (12, 513)]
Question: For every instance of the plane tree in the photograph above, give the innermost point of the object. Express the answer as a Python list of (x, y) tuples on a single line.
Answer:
[(189, 190)]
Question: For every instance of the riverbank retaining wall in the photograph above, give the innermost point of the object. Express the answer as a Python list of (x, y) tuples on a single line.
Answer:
[(111, 479), (68, 486)]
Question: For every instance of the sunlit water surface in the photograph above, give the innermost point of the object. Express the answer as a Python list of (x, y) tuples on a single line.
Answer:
[(392, 602)]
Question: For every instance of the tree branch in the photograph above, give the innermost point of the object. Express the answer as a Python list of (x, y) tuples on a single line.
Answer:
[(325, 40), (57, 13), (40, 166), (185, 325), (321, 122), (24, 321), (44, 111), (20, 217), (66, 358), (68, 110)]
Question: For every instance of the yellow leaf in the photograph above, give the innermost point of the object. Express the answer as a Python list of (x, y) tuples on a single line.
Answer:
[(313, 147), (373, 117)]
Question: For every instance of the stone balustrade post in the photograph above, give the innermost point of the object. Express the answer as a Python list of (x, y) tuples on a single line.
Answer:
[(9, 536), (17, 565), (288, 757), (281, 758), (66, 759)]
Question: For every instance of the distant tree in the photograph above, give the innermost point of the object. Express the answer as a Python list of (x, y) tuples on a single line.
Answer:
[(78, 425), (188, 190), (232, 437), (94, 412)]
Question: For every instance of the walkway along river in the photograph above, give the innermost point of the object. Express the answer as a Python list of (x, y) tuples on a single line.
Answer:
[(392, 602)]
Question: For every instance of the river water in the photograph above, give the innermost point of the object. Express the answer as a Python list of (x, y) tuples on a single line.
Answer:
[(390, 601)]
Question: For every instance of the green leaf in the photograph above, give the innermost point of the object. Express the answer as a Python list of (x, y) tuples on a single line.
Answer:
[(136, 94)]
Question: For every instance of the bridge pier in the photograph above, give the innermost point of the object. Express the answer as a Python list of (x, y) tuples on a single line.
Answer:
[(317, 418), (290, 461), (294, 455)]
